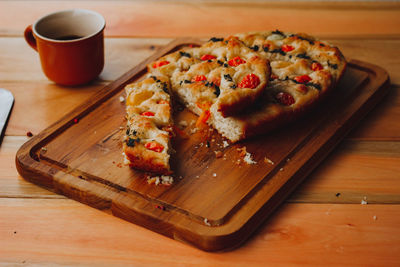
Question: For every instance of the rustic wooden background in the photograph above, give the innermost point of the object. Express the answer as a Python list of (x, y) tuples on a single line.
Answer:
[(322, 222)]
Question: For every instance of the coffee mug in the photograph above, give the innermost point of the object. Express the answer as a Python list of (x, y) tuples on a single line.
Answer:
[(70, 44)]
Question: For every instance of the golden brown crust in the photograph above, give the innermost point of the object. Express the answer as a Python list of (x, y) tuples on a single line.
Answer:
[(146, 160), (304, 56)]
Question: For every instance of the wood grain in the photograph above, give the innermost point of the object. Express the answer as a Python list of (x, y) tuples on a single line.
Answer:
[(381, 124), (173, 19), (381, 52), (357, 170), (377, 166), (11, 184), (375, 174), (39, 104), (306, 232)]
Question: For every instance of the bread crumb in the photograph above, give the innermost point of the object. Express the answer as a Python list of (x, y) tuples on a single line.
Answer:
[(364, 201), (267, 160), (225, 144), (153, 180), (166, 179), (281, 169), (206, 222), (248, 159), (121, 99), (163, 179), (214, 174)]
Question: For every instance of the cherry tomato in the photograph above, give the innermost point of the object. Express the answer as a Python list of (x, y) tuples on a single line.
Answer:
[(154, 146), (148, 114), (160, 63), (236, 61), (303, 79), (287, 48), (249, 81), (207, 57)]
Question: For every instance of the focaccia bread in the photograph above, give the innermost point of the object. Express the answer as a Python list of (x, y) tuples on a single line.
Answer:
[(243, 85), (146, 143), (303, 71)]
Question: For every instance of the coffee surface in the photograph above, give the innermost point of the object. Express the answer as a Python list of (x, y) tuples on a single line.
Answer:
[(68, 37)]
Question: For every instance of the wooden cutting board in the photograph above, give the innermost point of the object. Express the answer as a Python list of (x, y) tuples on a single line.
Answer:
[(215, 203)]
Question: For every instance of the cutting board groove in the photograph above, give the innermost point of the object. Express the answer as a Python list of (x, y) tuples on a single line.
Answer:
[(214, 203)]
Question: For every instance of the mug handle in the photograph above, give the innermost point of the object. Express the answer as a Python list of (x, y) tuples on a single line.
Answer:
[(29, 38)]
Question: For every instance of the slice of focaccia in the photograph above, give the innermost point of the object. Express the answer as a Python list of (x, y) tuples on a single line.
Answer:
[(146, 143), (303, 71)]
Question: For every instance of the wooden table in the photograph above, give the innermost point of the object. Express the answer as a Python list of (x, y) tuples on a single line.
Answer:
[(323, 222)]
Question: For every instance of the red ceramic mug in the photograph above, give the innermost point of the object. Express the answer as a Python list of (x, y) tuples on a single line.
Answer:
[(70, 44)]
